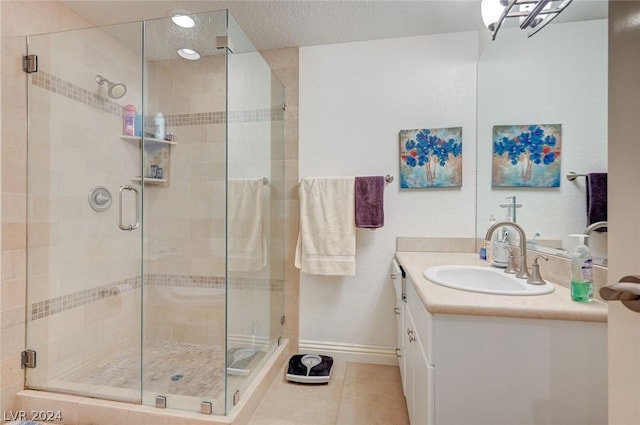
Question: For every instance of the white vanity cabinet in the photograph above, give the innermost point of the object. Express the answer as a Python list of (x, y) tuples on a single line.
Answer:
[(490, 370)]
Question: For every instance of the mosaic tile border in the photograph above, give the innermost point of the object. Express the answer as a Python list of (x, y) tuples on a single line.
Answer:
[(69, 90), (63, 303), (74, 92), (67, 302)]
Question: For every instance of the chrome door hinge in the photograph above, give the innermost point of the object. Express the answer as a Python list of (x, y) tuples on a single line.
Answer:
[(30, 63), (28, 359), (236, 397), (224, 42), (161, 402), (284, 105), (282, 320), (206, 408)]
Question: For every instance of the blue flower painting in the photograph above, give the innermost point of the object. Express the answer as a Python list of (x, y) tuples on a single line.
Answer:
[(431, 158), (526, 155)]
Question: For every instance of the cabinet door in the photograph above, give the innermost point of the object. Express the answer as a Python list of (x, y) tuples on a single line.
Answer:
[(423, 387), (419, 388), (409, 360), (401, 341)]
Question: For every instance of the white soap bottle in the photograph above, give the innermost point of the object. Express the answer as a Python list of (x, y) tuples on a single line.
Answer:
[(159, 126), (581, 272)]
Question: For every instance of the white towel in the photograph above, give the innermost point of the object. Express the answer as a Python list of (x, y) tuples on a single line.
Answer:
[(247, 250), (327, 238)]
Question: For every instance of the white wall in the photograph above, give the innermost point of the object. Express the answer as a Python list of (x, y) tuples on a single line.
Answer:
[(354, 100)]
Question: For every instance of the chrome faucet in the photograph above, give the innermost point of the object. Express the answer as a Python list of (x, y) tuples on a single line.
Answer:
[(524, 272), (593, 227)]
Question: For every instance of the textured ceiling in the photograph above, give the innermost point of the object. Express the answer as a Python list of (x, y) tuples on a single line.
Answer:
[(285, 23)]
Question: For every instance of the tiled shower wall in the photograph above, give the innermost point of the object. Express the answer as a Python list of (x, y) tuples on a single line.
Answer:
[(49, 17)]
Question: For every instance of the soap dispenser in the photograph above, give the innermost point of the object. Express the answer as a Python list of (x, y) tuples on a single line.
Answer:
[(581, 272)]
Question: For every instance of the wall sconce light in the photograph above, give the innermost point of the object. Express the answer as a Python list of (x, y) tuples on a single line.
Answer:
[(533, 14)]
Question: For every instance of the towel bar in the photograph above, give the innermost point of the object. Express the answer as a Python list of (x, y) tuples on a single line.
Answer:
[(572, 175), (388, 178)]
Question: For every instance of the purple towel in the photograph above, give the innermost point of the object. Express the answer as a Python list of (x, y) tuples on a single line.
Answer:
[(596, 197), (369, 201)]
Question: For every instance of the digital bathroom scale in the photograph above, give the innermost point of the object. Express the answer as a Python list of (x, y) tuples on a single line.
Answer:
[(309, 368)]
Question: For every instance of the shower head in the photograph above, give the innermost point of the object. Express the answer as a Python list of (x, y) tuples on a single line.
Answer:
[(114, 90)]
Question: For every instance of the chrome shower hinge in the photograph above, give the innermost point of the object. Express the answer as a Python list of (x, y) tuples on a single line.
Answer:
[(236, 397), (161, 402), (224, 42), (28, 359), (30, 63), (206, 408)]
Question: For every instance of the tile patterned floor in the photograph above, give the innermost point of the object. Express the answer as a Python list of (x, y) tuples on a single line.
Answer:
[(358, 394), (195, 370), (170, 367)]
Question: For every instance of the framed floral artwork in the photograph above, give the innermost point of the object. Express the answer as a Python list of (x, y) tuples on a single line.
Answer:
[(431, 158), (526, 155)]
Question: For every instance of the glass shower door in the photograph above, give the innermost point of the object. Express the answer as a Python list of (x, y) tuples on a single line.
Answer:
[(84, 223), (184, 296)]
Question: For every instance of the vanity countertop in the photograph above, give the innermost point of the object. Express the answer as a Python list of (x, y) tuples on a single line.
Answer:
[(442, 300)]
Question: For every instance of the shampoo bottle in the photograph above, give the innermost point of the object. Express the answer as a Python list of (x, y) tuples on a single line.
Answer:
[(137, 125), (581, 272), (129, 120), (159, 126)]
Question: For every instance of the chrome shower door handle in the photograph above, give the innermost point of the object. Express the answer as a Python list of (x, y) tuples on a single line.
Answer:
[(129, 227)]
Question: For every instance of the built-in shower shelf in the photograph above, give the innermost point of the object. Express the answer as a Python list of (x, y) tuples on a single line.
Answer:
[(147, 140), (149, 180), (157, 153)]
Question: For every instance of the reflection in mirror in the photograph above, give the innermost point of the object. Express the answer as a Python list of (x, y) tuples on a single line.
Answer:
[(557, 77)]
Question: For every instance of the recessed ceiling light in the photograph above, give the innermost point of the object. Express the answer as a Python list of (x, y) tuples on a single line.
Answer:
[(181, 18), (189, 54)]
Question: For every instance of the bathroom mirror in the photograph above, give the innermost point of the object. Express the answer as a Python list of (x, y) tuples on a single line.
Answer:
[(558, 76)]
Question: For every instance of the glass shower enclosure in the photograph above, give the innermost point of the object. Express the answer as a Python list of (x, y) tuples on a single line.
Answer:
[(155, 202)]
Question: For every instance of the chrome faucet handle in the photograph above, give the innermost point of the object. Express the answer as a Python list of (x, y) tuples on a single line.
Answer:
[(536, 277), (511, 268)]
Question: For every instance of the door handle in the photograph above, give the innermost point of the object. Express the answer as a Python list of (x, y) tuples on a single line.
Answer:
[(627, 291), (129, 227)]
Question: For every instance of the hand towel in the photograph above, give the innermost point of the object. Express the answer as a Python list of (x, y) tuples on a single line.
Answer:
[(596, 197), (327, 238), (369, 201), (246, 249)]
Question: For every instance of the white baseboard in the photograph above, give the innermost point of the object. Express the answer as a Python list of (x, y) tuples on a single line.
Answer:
[(351, 352)]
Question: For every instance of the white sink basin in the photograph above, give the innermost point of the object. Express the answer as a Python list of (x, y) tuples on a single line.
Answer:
[(487, 280)]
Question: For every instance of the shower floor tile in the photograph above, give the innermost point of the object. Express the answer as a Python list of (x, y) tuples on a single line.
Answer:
[(179, 368)]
